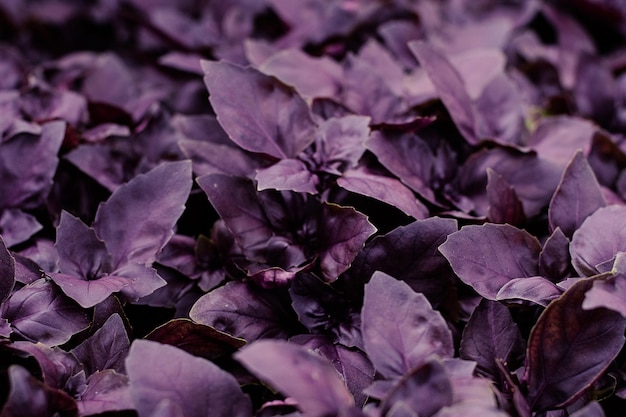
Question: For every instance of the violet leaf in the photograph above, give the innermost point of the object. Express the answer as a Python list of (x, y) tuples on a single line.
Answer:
[(41, 312), (137, 220), (106, 348), (577, 196), (565, 333), (243, 311), (58, 367), (87, 292), (352, 365), (554, 258), (537, 290), (491, 335), (416, 259), (488, 256), (298, 373), (399, 339), (607, 293), (287, 174), (386, 189), (194, 386), (218, 158), (17, 226), (340, 143), (450, 88), (504, 205), (424, 390), (342, 235), (106, 391), (267, 116), (7, 272), (598, 240)]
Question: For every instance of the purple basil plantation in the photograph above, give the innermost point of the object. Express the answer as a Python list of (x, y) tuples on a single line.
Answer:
[(312, 208)]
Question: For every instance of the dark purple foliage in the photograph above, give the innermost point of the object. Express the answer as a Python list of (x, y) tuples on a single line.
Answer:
[(331, 208)]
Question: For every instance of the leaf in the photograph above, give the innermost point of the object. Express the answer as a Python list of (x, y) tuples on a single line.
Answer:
[(404, 337), (577, 196), (136, 221), (340, 143), (28, 397), (194, 386), (569, 348), (106, 348), (242, 311), (352, 365), (287, 174), (88, 293), (557, 139), (106, 391), (300, 374), (598, 240), (385, 189), (17, 226), (342, 235), (424, 390), (488, 256), (415, 259), (491, 335), (196, 339), (504, 205), (554, 258), (534, 289), (42, 313), (266, 116), (7, 272), (609, 292), (450, 88)]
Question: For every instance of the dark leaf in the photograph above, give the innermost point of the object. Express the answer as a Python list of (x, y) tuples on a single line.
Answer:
[(415, 259), (577, 196), (300, 374), (609, 292), (42, 313), (7, 272), (487, 257), (243, 311), (340, 143), (106, 391), (504, 205), (194, 386), (554, 258), (386, 189), (598, 240), (217, 158), (197, 339), (266, 117), (569, 348), (491, 335), (537, 290), (424, 390), (58, 367), (106, 348), (342, 235), (137, 220), (17, 226), (401, 338)]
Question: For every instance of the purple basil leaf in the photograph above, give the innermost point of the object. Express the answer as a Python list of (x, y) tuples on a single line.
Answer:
[(385, 189), (408, 157), (137, 220), (598, 240), (340, 142), (342, 235), (352, 365), (424, 390), (450, 88), (401, 338), (194, 386), (491, 335), (243, 311), (487, 257), (18, 226), (106, 391), (569, 348), (577, 196), (538, 290), (7, 272), (58, 367), (28, 397), (5, 328), (504, 205), (592, 409), (298, 373), (106, 348), (110, 81), (554, 258), (287, 174), (41, 312), (594, 90), (197, 339), (415, 259), (217, 158), (267, 116), (25, 184), (609, 293)]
